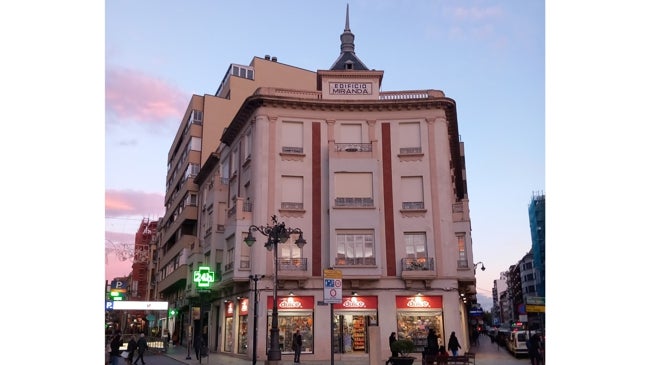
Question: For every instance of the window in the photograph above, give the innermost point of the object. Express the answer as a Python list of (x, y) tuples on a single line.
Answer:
[(415, 245), (234, 162), (246, 146), (462, 254), (230, 253), (353, 189), (412, 192), (245, 257), (292, 190), (409, 138), (292, 137), (350, 133), (355, 248), (195, 144)]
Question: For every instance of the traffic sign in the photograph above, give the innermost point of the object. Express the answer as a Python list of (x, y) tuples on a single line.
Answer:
[(332, 286)]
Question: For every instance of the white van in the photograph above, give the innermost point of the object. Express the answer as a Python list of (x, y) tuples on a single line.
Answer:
[(516, 342)]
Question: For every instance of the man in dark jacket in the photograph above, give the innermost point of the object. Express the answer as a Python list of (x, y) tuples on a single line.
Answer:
[(116, 343), (130, 348), (142, 346)]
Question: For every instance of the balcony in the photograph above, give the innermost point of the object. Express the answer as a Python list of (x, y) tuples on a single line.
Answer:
[(292, 269), (353, 147), (418, 268)]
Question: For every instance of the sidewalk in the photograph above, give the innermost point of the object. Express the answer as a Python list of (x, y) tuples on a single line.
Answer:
[(486, 354)]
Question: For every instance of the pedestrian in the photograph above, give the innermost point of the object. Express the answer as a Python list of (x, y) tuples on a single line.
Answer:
[(116, 343), (166, 340), (296, 345), (130, 348), (198, 345), (432, 342), (141, 347), (442, 356), (453, 345), (392, 338), (534, 349)]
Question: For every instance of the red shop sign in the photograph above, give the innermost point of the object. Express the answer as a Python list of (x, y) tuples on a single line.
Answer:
[(230, 309), (418, 302), (357, 302), (243, 307), (291, 303)]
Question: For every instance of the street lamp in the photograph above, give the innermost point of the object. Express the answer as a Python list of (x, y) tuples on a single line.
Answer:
[(276, 233), (255, 278), (482, 266)]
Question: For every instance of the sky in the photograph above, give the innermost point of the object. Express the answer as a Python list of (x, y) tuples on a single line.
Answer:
[(486, 55), (75, 154)]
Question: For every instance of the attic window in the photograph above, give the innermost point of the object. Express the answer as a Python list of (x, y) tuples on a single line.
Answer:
[(348, 66)]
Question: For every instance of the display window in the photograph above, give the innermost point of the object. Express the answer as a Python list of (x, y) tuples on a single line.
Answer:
[(294, 313), (351, 320), (229, 327), (243, 325), (416, 315)]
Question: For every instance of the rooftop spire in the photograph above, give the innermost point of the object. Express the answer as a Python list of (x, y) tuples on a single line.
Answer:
[(347, 38), (348, 60)]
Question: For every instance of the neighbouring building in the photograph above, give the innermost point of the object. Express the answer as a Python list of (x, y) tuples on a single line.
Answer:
[(373, 180), (537, 218)]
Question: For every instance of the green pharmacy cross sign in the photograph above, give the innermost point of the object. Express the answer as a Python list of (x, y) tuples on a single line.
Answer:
[(203, 277)]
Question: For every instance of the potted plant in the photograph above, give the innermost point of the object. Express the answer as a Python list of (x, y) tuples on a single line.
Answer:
[(404, 348)]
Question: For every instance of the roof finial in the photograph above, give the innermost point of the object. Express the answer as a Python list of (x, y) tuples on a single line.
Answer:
[(347, 17)]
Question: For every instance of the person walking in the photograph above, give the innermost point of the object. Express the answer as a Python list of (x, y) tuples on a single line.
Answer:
[(442, 356), (534, 349), (392, 338), (130, 348), (116, 343), (296, 345), (453, 345), (432, 342), (198, 345), (141, 347)]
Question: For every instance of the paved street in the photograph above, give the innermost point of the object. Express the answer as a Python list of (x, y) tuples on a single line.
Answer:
[(486, 354)]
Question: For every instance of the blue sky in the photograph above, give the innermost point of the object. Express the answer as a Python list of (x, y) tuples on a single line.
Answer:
[(487, 55)]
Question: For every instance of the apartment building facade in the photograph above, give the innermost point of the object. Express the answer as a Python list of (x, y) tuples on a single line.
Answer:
[(374, 180)]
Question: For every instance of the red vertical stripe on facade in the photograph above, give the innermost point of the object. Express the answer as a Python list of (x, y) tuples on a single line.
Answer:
[(316, 200), (389, 222)]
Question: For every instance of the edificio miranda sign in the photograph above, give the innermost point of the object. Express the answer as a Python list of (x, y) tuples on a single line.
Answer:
[(350, 88)]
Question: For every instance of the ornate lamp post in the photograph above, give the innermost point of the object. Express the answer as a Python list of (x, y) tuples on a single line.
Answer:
[(482, 266), (276, 233)]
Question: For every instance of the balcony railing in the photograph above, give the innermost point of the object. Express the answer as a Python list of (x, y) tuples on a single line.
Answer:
[(420, 263), (353, 202), (412, 205), (296, 264), (356, 261), (353, 147)]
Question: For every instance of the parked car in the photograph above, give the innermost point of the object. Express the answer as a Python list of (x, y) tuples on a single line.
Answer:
[(516, 342)]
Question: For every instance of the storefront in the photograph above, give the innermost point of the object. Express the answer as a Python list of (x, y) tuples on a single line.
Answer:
[(294, 313), (351, 320), (229, 326), (416, 315), (243, 325)]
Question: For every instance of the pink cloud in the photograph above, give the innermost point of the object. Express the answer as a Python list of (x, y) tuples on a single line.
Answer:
[(131, 94), (120, 203)]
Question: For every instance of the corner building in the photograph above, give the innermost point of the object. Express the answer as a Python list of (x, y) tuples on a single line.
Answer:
[(374, 179)]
